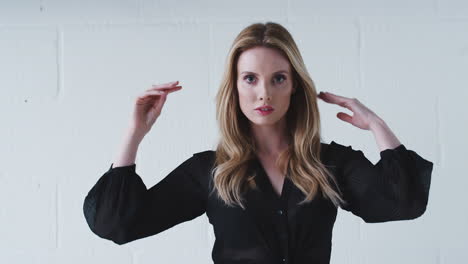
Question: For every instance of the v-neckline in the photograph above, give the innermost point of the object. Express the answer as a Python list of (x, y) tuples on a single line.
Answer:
[(263, 177)]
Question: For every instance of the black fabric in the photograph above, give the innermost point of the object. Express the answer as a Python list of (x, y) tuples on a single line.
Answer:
[(273, 228)]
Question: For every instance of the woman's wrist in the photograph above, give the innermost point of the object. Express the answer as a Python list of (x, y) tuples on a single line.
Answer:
[(129, 148)]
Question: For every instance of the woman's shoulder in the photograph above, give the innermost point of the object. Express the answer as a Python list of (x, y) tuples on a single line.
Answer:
[(325, 147), (205, 156), (207, 152), (333, 143), (204, 160), (336, 152), (335, 146)]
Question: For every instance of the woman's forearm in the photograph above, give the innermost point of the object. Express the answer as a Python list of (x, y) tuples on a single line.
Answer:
[(129, 148), (384, 136)]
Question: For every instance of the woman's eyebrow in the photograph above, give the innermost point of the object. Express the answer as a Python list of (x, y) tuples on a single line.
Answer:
[(280, 71)]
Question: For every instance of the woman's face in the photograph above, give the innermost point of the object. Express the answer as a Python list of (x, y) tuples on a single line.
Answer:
[(264, 78)]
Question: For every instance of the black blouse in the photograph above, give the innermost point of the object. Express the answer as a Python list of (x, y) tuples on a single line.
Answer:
[(273, 228)]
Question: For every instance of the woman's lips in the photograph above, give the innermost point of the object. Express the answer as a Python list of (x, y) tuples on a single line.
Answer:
[(264, 113)]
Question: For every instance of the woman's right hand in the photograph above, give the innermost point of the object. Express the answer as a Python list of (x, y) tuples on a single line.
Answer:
[(148, 106)]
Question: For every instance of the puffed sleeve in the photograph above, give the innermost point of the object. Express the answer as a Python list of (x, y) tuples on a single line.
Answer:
[(120, 208), (395, 188)]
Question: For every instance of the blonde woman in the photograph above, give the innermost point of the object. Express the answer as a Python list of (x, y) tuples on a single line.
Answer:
[(271, 188)]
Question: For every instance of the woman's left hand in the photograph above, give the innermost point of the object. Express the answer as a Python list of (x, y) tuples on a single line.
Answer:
[(362, 117)]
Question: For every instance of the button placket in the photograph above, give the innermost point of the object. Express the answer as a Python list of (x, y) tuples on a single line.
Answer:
[(283, 232)]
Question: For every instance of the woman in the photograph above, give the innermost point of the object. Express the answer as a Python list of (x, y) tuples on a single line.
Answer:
[(271, 189)]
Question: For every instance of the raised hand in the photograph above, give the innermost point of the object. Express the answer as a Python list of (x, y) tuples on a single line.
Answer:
[(148, 106), (362, 116)]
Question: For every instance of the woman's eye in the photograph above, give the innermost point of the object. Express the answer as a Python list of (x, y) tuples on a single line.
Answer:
[(247, 77), (281, 76)]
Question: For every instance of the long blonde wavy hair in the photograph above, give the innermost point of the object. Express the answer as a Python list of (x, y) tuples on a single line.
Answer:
[(236, 146)]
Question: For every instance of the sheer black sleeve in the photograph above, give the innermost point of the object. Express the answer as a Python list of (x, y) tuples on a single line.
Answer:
[(120, 208), (395, 188)]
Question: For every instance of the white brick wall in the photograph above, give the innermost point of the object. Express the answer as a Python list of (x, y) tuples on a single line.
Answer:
[(69, 71)]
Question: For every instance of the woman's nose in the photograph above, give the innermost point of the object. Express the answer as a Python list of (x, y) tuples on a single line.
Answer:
[(264, 91)]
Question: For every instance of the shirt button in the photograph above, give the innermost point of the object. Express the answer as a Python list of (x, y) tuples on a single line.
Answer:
[(280, 212), (284, 260)]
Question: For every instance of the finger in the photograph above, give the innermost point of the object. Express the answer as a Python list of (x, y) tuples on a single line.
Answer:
[(164, 85), (152, 93), (332, 97), (345, 117), (160, 103), (335, 95), (327, 98), (336, 99), (169, 89), (149, 95)]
